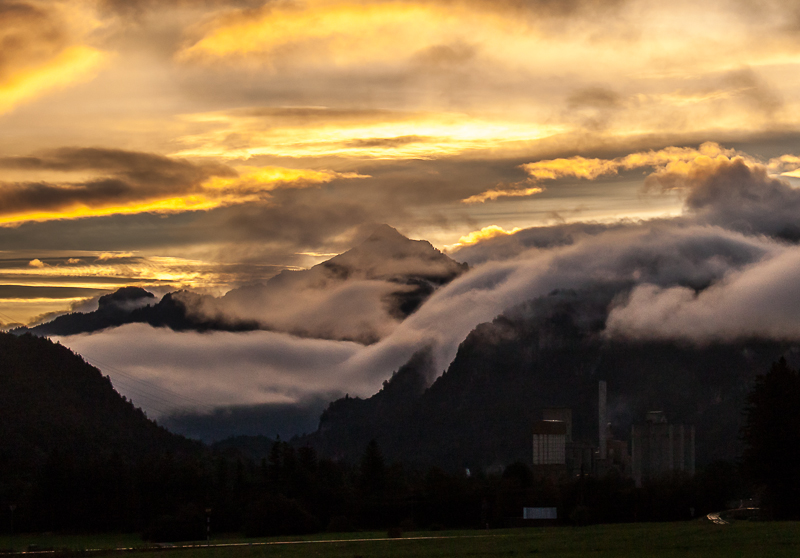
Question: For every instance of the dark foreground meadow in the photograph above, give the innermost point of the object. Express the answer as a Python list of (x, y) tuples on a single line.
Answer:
[(698, 538)]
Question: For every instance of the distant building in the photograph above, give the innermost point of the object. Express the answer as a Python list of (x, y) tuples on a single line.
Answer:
[(658, 448), (549, 442), (554, 452), (563, 414)]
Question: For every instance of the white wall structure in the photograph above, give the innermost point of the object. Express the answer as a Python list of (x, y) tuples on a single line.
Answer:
[(550, 443)]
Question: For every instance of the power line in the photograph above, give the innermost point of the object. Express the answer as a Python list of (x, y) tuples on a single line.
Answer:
[(148, 390), (9, 319), (149, 385), (160, 399)]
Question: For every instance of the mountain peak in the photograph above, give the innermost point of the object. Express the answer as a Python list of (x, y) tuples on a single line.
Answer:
[(385, 233), (125, 297), (386, 253)]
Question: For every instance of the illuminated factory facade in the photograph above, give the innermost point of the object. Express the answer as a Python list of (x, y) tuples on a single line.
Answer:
[(550, 442)]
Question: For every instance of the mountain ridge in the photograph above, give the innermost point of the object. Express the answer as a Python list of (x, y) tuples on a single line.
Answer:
[(392, 274)]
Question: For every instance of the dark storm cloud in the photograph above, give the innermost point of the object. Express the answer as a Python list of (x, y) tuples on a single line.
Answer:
[(137, 166), (255, 231), (115, 232), (420, 184), (134, 177), (29, 197), (737, 196)]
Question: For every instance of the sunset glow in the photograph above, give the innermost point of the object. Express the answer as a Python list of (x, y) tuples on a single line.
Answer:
[(243, 137)]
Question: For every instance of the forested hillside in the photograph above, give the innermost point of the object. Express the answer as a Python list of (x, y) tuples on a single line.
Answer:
[(73, 452), (550, 352)]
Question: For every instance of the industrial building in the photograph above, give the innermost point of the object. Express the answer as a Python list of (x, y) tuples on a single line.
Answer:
[(658, 448), (549, 442)]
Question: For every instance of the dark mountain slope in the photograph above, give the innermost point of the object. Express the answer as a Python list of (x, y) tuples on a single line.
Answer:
[(551, 352), (74, 454), (135, 305), (53, 401), (348, 424)]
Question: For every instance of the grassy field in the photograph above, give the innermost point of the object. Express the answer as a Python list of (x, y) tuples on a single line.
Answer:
[(741, 539)]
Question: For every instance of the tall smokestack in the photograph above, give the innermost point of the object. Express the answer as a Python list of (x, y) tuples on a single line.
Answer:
[(602, 419)]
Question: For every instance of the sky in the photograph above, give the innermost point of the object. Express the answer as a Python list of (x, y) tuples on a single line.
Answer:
[(210, 144)]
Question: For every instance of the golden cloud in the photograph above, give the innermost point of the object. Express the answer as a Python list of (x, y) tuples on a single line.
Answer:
[(113, 268), (785, 165), (483, 234), (344, 32), (44, 48), (515, 79), (73, 65), (380, 136), (256, 180), (669, 159), (491, 195), (104, 256), (574, 166), (181, 188)]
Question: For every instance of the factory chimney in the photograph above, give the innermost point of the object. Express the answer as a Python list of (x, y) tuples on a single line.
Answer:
[(602, 420)]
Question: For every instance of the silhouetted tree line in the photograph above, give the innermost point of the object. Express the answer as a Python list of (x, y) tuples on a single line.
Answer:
[(771, 457), (293, 491)]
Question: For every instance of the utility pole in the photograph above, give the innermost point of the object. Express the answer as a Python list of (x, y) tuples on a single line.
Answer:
[(12, 507), (208, 526)]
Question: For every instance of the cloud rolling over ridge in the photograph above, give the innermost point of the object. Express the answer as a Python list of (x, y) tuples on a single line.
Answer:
[(720, 271)]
